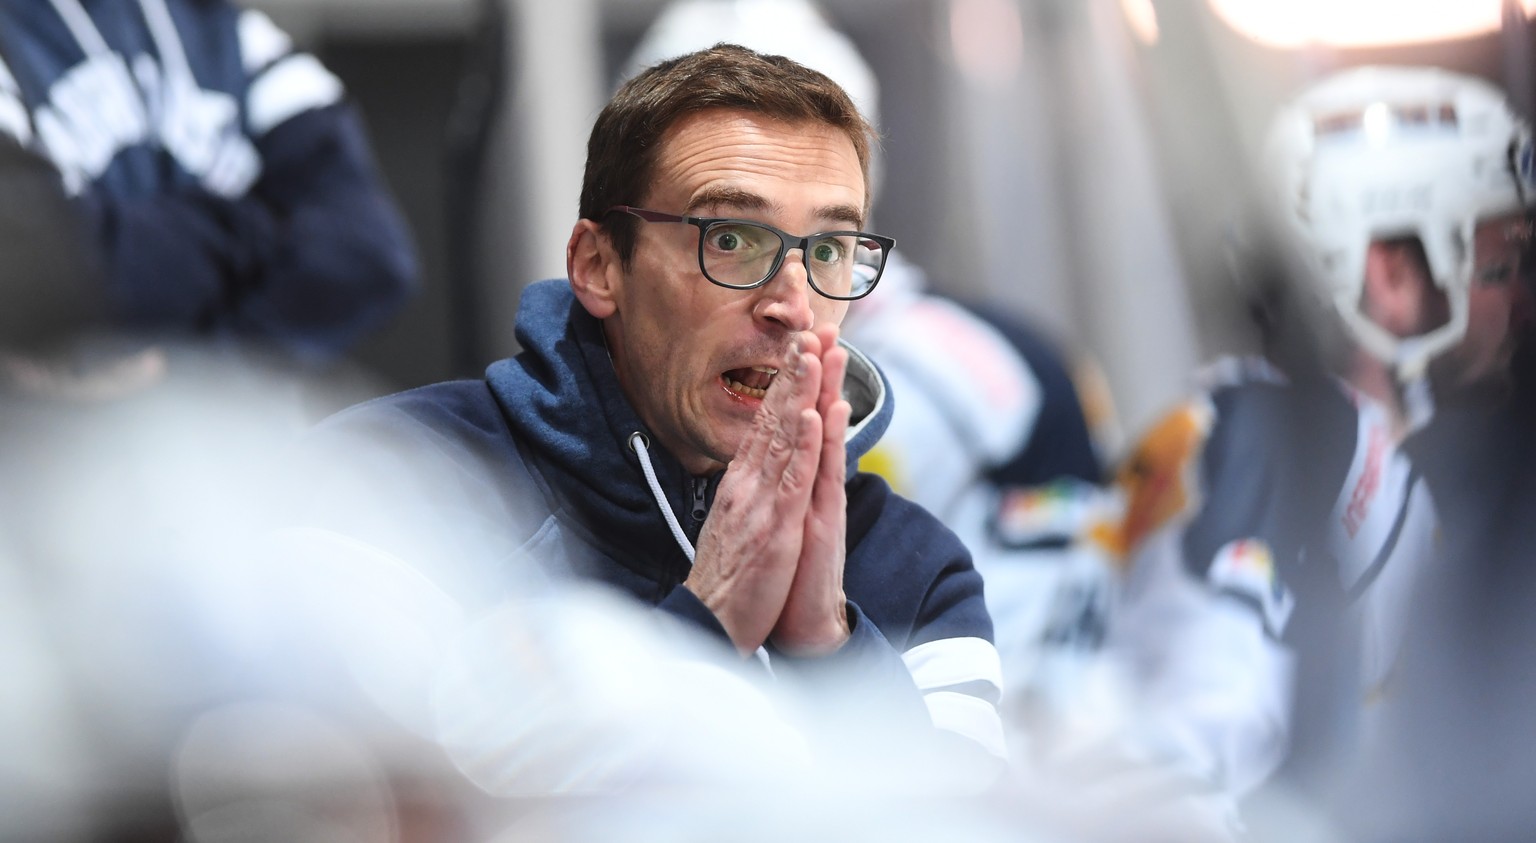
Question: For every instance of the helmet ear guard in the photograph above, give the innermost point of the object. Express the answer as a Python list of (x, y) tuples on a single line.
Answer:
[(1387, 153)]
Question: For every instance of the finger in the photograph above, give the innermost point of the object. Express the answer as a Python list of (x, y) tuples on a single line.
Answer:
[(777, 408), (834, 365), (813, 341), (834, 360), (801, 469), (783, 427), (832, 471), (826, 335)]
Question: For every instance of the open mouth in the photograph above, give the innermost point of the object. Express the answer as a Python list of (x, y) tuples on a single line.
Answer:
[(751, 382)]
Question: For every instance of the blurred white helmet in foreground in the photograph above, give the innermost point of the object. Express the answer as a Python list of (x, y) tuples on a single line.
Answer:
[(795, 29), (1380, 153)]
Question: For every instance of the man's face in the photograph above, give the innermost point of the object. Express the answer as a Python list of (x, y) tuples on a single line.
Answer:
[(1499, 305), (694, 357)]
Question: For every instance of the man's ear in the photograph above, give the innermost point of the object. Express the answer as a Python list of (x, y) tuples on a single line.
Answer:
[(593, 266)]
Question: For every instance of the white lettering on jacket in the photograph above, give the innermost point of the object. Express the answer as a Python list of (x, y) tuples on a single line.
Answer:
[(97, 109)]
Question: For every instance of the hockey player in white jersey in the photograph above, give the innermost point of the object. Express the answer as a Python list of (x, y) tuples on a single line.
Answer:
[(1279, 521)]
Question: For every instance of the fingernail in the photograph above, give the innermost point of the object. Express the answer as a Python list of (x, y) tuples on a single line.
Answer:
[(796, 361)]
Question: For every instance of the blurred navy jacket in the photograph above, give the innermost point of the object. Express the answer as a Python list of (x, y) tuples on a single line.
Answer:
[(228, 185)]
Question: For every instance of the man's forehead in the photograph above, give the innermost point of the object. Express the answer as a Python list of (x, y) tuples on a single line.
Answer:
[(736, 158), (727, 122)]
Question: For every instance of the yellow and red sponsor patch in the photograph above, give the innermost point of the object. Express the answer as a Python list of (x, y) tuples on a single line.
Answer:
[(1057, 511), (1246, 568)]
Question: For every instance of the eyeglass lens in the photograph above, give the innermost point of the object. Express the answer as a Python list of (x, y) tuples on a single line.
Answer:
[(741, 255)]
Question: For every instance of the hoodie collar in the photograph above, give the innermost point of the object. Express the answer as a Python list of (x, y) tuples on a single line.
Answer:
[(564, 404)]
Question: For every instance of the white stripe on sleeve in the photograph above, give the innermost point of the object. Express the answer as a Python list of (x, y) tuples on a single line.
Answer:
[(7, 81), (13, 113), (13, 119), (970, 717), (948, 663), (261, 42), (294, 85), (954, 661)]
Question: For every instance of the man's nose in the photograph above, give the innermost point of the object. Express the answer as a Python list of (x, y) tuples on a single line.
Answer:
[(787, 297)]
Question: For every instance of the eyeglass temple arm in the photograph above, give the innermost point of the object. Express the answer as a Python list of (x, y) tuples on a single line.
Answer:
[(648, 216)]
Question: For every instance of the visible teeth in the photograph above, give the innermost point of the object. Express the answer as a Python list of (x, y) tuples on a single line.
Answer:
[(741, 388), (767, 370)]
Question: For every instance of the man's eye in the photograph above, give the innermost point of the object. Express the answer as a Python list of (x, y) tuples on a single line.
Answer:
[(1496, 274), (739, 239), (827, 251)]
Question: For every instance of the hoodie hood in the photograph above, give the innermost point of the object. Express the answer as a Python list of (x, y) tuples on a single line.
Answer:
[(564, 403)]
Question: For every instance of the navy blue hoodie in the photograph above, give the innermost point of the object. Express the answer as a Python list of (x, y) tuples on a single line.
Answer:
[(539, 467)]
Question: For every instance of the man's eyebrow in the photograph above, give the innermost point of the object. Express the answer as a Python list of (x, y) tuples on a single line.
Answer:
[(733, 198), (850, 214), (742, 201)]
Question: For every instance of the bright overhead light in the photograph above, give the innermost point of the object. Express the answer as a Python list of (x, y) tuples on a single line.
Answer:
[(1143, 19), (1377, 122), (1361, 23)]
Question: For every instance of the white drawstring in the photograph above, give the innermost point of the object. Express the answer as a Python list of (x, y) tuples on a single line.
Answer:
[(638, 443)]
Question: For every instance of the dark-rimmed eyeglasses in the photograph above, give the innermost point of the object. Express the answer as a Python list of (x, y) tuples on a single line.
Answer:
[(743, 255)]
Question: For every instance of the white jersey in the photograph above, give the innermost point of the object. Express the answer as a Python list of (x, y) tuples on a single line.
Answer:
[(1265, 520), (988, 434)]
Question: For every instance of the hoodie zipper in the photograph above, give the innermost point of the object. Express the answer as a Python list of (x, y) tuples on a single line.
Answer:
[(698, 488)]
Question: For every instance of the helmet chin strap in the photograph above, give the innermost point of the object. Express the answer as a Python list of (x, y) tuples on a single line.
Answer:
[(1408, 357), (1518, 149), (1412, 361)]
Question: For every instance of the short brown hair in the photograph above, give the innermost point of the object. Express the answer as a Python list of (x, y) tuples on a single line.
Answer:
[(625, 141)]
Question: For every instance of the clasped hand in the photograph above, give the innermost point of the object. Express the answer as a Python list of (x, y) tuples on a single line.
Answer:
[(770, 557)]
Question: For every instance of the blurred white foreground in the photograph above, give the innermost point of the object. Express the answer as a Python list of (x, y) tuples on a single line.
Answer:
[(183, 663)]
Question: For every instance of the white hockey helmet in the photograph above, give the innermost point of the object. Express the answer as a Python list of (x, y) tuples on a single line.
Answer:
[(1393, 152), (796, 29)]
